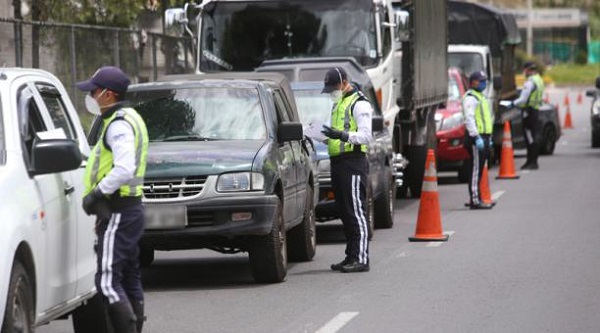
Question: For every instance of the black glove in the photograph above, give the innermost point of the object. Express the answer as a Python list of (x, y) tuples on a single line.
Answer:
[(95, 203), (335, 134)]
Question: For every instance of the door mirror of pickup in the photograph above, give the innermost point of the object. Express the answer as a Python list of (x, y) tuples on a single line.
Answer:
[(55, 155), (591, 93), (402, 19), (497, 82), (377, 124), (289, 132)]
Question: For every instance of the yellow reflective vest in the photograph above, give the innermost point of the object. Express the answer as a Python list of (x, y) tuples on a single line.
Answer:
[(483, 118), (342, 119)]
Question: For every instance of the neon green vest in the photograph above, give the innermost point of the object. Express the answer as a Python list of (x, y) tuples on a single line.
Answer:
[(483, 118), (100, 161), (535, 98), (342, 119)]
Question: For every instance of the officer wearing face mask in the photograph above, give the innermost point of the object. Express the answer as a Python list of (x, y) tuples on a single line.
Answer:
[(478, 140), (113, 192), (349, 136), (530, 102)]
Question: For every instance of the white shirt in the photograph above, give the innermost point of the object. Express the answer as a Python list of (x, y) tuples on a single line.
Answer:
[(469, 107), (362, 115), (528, 88), (121, 139)]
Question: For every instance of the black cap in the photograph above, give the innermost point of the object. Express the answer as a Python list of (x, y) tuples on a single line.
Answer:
[(478, 75), (529, 65), (333, 78), (108, 77)]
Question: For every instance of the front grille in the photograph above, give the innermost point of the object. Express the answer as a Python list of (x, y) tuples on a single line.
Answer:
[(172, 188)]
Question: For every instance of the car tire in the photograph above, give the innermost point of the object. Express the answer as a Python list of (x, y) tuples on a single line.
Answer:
[(548, 140), (384, 205), (19, 312), (146, 256), (92, 317), (302, 239), (268, 254), (370, 214), (595, 139)]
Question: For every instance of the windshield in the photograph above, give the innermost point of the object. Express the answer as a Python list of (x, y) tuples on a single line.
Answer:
[(239, 36), (468, 62), (453, 90), (200, 114), (313, 107)]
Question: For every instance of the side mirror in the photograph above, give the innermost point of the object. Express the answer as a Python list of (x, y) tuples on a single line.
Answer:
[(289, 132), (591, 93), (377, 124), (55, 155), (598, 82), (402, 20), (498, 82)]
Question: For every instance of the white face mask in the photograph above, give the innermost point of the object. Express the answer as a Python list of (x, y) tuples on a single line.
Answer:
[(336, 95), (91, 104)]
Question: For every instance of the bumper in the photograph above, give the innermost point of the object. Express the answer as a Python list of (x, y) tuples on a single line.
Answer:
[(451, 148)]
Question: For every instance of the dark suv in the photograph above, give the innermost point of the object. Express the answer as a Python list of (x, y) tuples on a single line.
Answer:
[(307, 76), (595, 114), (228, 169)]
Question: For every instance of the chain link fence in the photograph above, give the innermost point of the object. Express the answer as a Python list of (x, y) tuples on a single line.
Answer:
[(74, 52)]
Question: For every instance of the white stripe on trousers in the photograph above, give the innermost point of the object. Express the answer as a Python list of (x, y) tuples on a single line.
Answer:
[(107, 259), (475, 176), (360, 218)]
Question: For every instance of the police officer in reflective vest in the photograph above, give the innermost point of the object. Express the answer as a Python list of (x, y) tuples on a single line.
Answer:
[(349, 135), (478, 140), (113, 192), (530, 102)]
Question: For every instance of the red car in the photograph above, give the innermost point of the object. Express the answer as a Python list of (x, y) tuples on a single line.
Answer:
[(451, 152)]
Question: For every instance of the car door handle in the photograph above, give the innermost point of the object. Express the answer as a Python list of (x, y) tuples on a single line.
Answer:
[(69, 189)]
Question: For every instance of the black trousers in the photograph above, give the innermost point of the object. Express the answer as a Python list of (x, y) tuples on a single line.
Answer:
[(530, 122), (475, 165), (118, 276), (349, 178)]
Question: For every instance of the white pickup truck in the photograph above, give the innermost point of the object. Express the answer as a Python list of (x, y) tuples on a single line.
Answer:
[(47, 262)]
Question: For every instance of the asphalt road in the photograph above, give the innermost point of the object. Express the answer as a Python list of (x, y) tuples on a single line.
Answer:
[(529, 265)]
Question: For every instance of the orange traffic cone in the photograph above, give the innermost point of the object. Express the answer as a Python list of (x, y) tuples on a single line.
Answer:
[(429, 221), (568, 122), (579, 98), (484, 187), (507, 157), (567, 99)]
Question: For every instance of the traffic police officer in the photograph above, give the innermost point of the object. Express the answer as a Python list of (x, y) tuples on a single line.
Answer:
[(530, 102), (113, 191), (479, 124), (349, 135)]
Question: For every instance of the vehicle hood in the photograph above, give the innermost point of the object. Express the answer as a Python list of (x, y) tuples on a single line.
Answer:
[(199, 158)]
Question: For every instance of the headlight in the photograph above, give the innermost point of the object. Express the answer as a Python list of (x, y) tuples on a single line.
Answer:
[(596, 108), (453, 121), (241, 181), (323, 166)]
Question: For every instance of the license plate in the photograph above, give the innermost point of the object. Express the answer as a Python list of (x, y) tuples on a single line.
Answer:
[(165, 217)]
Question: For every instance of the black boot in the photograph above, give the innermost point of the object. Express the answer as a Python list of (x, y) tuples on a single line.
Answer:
[(138, 310), (532, 157), (122, 317)]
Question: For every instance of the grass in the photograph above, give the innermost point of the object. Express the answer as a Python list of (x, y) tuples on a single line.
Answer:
[(572, 74)]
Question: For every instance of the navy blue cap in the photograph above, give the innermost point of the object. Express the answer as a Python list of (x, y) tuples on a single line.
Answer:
[(478, 75), (529, 65), (333, 78), (107, 77)]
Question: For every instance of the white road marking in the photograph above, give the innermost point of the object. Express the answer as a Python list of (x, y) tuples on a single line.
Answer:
[(436, 244), (497, 195), (524, 172), (337, 322)]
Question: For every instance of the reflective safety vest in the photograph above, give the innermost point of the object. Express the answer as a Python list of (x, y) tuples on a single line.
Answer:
[(100, 161), (483, 118), (342, 119), (535, 98)]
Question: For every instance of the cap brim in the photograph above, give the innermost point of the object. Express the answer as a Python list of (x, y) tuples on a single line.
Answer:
[(328, 89), (86, 85)]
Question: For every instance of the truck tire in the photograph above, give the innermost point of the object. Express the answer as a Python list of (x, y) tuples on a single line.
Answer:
[(595, 139), (268, 254), (92, 317), (415, 169), (548, 140), (146, 256), (18, 316), (302, 239), (384, 205)]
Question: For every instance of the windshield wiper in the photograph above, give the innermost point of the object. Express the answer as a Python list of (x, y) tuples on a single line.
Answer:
[(191, 137)]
